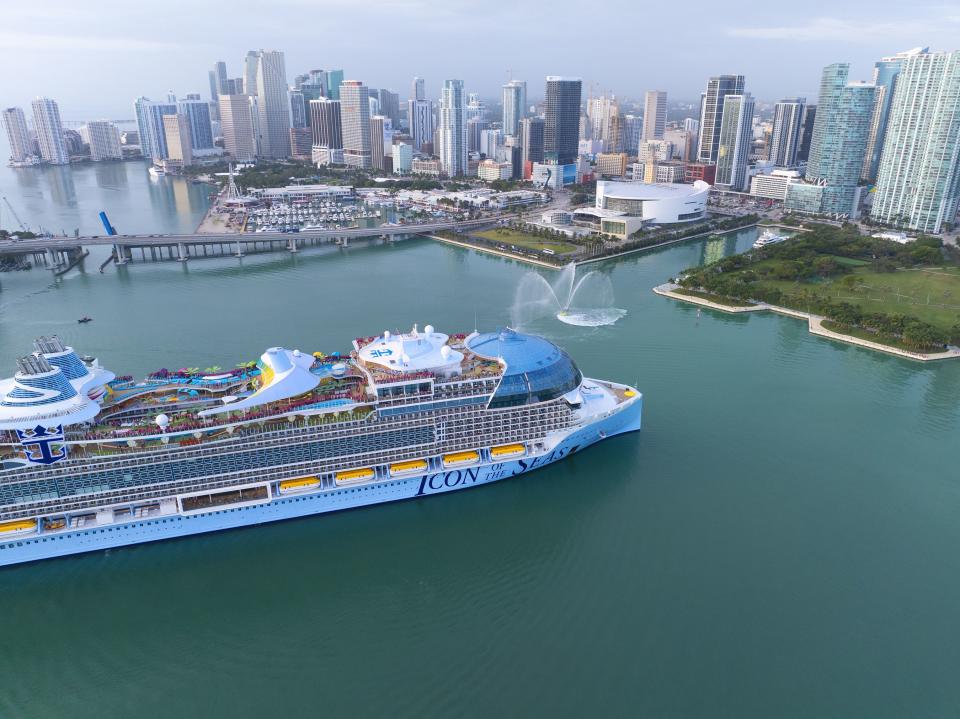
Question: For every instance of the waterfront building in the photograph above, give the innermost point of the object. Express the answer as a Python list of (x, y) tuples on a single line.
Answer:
[(773, 186), (46, 122), (837, 148), (786, 131), (622, 208), (420, 119), (379, 125), (18, 135), (654, 114), (327, 131), (402, 158), (355, 116), (531, 143), (736, 139), (176, 129), (197, 113), (237, 125), (711, 114), (104, 141), (153, 143), (514, 106), (490, 170), (272, 103), (452, 129), (561, 129), (918, 183)]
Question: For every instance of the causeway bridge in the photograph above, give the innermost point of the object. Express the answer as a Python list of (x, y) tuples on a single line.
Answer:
[(60, 252)]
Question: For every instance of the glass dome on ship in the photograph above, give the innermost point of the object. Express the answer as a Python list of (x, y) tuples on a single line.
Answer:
[(90, 461)]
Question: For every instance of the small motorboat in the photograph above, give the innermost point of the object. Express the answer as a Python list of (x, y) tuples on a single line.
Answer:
[(84, 320)]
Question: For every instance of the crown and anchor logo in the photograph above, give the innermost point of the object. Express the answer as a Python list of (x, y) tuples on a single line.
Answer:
[(38, 444)]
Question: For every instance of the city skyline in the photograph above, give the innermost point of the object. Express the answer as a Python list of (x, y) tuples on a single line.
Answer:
[(118, 55)]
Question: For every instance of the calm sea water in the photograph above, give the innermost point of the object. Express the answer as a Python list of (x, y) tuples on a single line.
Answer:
[(779, 540)]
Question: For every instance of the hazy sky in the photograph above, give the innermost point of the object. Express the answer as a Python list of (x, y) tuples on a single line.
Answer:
[(95, 57)]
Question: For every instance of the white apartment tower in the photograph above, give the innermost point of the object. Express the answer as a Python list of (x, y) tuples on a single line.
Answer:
[(18, 135), (918, 180), (514, 105), (273, 105), (46, 121), (355, 118), (104, 139), (452, 131)]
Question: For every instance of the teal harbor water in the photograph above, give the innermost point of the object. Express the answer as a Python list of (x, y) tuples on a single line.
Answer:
[(779, 541)]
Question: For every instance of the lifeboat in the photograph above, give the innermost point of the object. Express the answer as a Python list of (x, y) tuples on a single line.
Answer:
[(507, 450), (18, 526), (355, 475), (301, 484), (461, 459), (411, 467)]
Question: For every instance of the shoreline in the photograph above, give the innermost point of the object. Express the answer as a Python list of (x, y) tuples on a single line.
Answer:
[(814, 324)]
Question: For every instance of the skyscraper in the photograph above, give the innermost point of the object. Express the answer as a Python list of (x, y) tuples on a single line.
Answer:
[(46, 121), (327, 131), (736, 137), (918, 183), (18, 136), (885, 78), (711, 114), (420, 119), (273, 104), (417, 91), (531, 142), (238, 126), (806, 132), (250, 63), (355, 116), (104, 141), (390, 106), (654, 114), (514, 106), (452, 129), (176, 128), (197, 113), (218, 80), (837, 148), (561, 121), (150, 114), (334, 81), (298, 109), (787, 126)]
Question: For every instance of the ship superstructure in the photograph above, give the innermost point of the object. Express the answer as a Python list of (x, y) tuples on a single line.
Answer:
[(91, 460)]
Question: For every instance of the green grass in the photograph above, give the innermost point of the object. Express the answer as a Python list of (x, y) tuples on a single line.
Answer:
[(930, 294), (521, 240), (716, 299)]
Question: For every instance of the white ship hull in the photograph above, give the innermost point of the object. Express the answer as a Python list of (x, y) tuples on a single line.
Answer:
[(14, 550)]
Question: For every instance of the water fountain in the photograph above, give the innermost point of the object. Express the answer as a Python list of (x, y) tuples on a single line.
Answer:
[(585, 302)]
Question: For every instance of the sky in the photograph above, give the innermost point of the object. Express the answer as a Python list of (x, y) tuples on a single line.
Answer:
[(95, 57)]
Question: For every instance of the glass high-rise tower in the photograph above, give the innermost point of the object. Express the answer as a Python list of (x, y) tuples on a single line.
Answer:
[(711, 113), (918, 181), (561, 120), (736, 137), (452, 129), (787, 126)]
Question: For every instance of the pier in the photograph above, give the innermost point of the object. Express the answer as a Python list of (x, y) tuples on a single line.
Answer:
[(61, 253)]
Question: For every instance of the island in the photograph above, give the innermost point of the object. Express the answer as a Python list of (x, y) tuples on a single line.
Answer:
[(897, 297)]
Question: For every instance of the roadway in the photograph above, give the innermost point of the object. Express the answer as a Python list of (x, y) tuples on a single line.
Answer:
[(42, 244)]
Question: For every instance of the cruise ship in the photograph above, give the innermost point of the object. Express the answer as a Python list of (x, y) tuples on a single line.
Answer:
[(91, 461)]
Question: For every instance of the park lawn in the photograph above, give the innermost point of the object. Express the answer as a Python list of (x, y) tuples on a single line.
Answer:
[(522, 240), (931, 294)]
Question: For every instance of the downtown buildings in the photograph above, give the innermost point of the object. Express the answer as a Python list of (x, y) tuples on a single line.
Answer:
[(46, 122), (452, 129), (918, 183), (514, 106), (711, 114), (654, 114), (355, 118), (18, 136), (561, 120), (104, 140)]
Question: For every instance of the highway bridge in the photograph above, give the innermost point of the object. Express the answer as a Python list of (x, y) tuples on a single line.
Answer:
[(58, 251)]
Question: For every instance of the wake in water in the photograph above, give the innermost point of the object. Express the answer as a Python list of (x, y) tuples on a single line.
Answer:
[(587, 302)]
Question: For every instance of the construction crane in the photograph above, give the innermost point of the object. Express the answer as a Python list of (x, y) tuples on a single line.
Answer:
[(15, 216)]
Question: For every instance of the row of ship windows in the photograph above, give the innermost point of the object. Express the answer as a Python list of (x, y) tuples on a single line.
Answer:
[(205, 514)]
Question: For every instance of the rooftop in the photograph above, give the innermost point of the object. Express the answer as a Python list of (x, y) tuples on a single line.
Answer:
[(649, 191)]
